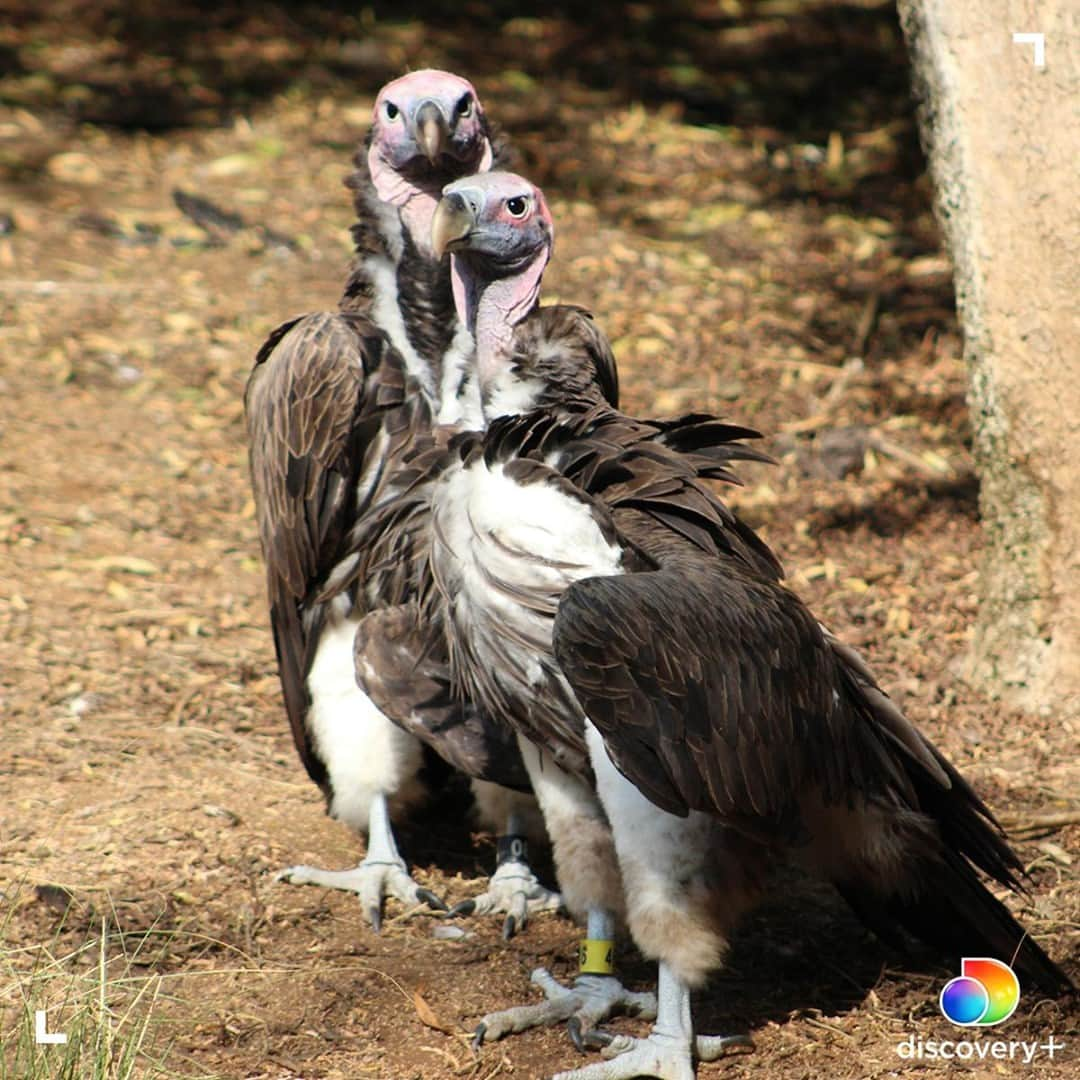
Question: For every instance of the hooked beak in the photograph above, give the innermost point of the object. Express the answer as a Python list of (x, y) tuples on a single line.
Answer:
[(431, 131), (454, 220)]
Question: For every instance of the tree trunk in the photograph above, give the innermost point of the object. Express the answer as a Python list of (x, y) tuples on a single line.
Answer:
[(1003, 139)]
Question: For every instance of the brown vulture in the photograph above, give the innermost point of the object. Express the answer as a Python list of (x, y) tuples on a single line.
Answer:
[(598, 594), (333, 405)]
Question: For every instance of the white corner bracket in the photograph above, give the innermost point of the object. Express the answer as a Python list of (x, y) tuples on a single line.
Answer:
[(1038, 41), (41, 1035)]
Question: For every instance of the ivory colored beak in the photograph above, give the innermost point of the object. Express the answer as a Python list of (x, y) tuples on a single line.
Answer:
[(431, 131), (454, 219)]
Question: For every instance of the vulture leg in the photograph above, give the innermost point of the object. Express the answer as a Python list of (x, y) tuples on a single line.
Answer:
[(513, 889), (399, 665), (368, 760), (591, 999), (589, 876), (382, 873), (588, 873), (669, 1051)]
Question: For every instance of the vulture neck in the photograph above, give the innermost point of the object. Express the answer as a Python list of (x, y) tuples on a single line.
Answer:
[(492, 310), (415, 199)]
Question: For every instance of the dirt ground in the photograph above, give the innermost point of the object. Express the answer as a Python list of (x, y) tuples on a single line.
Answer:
[(739, 196)]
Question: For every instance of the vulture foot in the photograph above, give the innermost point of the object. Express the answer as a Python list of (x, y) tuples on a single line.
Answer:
[(373, 880), (381, 874), (591, 999), (671, 1048), (514, 891), (660, 1056)]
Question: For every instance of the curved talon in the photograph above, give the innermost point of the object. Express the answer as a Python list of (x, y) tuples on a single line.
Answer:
[(465, 907), (598, 1039), (573, 1029), (591, 1039), (714, 1047), (374, 915), (426, 896), (478, 1035)]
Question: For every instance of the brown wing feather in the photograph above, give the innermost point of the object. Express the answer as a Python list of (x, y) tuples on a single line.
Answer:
[(715, 687), (402, 665), (717, 690), (308, 405), (711, 684), (619, 467), (564, 349)]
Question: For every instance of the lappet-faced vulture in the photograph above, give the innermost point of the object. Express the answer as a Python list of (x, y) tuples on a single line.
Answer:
[(333, 405), (694, 720)]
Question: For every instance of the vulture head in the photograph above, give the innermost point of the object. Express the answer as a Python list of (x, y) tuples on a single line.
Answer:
[(499, 233), (428, 127), (496, 224)]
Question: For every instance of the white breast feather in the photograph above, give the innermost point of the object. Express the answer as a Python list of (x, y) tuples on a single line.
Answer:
[(363, 751), (530, 536), (459, 404), (489, 513), (386, 314)]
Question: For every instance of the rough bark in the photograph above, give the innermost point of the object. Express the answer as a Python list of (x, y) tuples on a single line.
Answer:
[(1003, 141)]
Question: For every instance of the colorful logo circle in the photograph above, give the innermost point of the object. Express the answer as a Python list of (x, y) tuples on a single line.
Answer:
[(986, 992)]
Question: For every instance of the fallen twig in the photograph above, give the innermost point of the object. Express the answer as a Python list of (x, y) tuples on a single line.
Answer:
[(219, 223), (1059, 820)]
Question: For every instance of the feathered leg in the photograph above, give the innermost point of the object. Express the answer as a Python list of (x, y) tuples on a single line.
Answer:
[(682, 885), (400, 664), (589, 876), (370, 762)]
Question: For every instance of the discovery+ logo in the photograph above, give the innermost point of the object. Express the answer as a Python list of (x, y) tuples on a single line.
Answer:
[(985, 993)]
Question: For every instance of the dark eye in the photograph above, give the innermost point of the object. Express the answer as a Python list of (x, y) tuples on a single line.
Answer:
[(465, 106), (517, 206), (391, 111)]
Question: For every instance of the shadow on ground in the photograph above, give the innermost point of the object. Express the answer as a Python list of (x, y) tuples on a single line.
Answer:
[(790, 69)]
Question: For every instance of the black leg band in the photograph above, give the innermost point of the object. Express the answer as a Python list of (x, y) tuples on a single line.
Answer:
[(511, 849)]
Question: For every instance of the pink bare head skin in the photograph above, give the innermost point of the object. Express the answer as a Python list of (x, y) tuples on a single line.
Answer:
[(499, 231), (428, 128)]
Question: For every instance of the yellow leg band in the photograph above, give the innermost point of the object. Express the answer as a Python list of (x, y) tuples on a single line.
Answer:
[(596, 957)]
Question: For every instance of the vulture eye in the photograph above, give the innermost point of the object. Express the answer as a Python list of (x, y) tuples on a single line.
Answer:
[(392, 111), (465, 106), (517, 206)]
